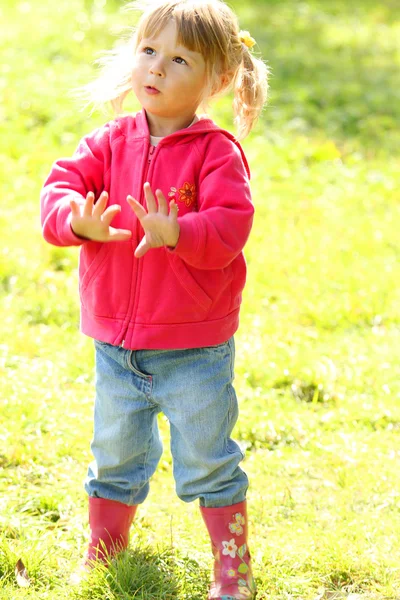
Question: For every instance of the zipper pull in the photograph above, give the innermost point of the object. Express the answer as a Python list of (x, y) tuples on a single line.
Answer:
[(151, 151)]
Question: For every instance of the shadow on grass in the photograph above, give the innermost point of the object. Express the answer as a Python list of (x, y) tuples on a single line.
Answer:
[(334, 67), (146, 574)]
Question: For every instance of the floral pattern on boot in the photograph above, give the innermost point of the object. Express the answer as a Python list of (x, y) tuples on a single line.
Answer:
[(245, 581), (233, 579)]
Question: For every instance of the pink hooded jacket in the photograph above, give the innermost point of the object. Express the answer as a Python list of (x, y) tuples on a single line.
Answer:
[(187, 297)]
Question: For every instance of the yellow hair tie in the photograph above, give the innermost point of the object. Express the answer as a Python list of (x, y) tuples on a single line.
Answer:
[(246, 39)]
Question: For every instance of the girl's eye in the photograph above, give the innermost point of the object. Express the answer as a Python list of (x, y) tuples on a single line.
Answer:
[(180, 60), (149, 51)]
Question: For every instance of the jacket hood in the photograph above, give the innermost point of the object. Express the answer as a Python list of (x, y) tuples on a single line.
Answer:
[(135, 127)]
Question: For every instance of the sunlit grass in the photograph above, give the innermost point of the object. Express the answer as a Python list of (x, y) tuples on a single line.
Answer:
[(318, 350)]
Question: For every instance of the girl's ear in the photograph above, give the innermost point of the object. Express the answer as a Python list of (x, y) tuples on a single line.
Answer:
[(221, 83)]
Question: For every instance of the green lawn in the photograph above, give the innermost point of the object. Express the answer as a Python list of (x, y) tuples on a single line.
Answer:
[(318, 353)]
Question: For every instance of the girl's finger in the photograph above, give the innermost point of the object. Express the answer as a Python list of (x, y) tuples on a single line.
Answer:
[(136, 207), (100, 205), (150, 200), (75, 209), (142, 248), (110, 213), (88, 206), (119, 235), (162, 203), (173, 210)]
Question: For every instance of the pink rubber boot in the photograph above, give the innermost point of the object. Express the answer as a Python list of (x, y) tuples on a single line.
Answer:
[(227, 526), (109, 522)]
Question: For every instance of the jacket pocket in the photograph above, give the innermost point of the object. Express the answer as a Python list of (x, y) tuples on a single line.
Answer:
[(104, 290), (189, 283), (91, 261)]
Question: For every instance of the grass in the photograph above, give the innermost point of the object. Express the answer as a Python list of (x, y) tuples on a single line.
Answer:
[(318, 349)]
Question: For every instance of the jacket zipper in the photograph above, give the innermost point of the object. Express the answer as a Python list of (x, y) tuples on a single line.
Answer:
[(149, 158)]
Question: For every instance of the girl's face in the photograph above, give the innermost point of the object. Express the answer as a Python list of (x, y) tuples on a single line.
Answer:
[(168, 80)]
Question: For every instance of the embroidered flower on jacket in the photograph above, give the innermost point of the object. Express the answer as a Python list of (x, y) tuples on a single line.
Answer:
[(237, 526), (229, 548), (172, 192), (245, 591), (187, 193)]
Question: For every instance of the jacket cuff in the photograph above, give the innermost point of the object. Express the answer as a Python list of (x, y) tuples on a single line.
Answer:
[(188, 242), (68, 237)]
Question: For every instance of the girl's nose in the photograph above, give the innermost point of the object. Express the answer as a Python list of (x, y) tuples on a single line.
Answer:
[(157, 68)]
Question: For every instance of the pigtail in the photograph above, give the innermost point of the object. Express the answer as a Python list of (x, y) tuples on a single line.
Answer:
[(250, 89)]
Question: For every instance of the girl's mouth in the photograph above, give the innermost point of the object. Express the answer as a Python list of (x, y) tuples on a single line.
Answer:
[(151, 90)]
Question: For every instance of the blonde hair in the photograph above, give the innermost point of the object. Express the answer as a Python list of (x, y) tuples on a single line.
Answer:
[(206, 26)]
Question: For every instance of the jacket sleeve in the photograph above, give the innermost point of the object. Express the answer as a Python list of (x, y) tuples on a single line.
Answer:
[(73, 178), (215, 235)]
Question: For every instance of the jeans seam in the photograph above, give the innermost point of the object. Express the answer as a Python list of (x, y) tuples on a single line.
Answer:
[(229, 418), (231, 362), (231, 366), (232, 397), (145, 462)]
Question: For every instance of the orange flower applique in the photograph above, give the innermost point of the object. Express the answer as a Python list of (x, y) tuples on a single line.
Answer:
[(187, 194)]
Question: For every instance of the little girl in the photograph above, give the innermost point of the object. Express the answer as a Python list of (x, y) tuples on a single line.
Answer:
[(161, 288)]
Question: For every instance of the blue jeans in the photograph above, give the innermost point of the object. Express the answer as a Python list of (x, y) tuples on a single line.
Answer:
[(193, 388)]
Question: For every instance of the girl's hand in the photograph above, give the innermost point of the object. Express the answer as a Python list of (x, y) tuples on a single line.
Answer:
[(92, 221), (161, 228)]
